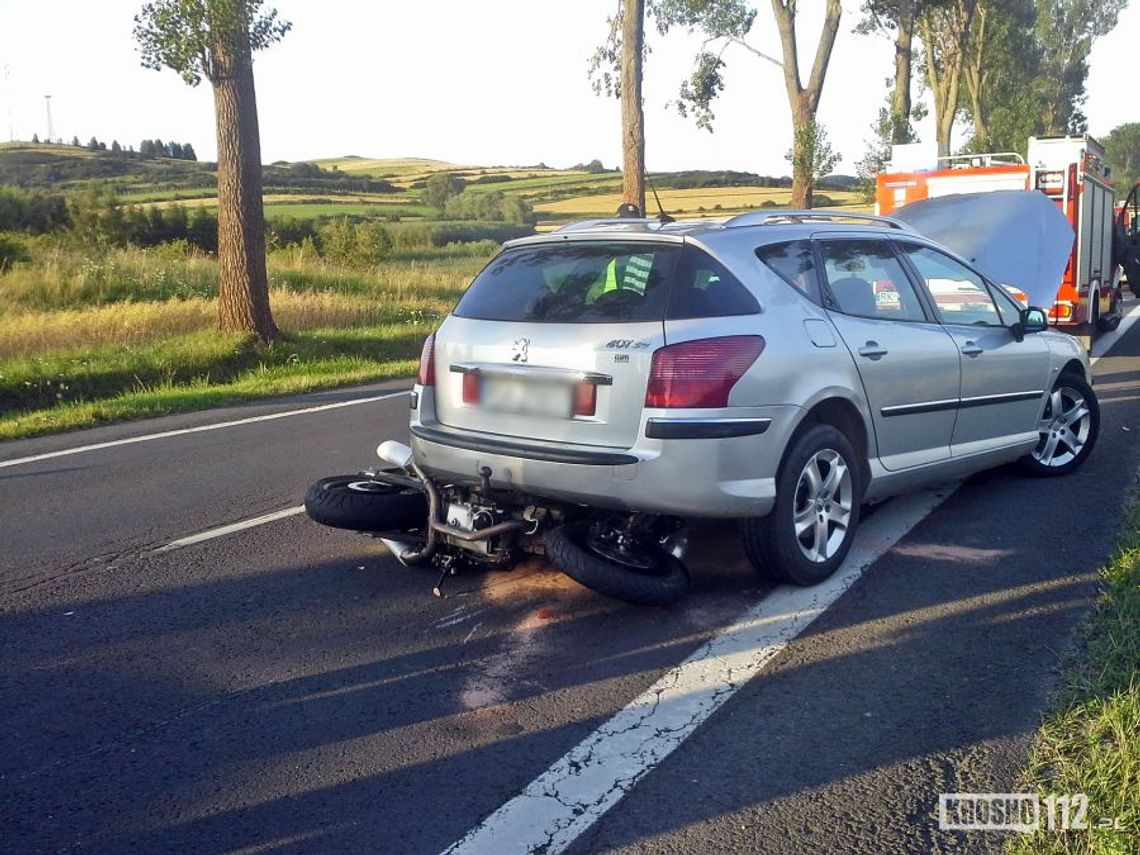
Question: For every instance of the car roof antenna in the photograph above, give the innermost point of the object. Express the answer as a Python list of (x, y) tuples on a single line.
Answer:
[(662, 217)]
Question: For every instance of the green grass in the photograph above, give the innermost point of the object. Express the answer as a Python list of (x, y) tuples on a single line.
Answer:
[(1090, 739), (63, 278), (199, 370), (333, 208)]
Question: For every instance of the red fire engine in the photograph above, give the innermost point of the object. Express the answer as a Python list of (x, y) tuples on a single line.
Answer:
[(1071, 171)]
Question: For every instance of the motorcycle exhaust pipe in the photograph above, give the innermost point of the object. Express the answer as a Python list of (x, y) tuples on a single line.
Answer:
[(396, 453)]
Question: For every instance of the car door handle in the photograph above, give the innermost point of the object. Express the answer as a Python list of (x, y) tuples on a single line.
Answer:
[(971, 349), (873, 350)]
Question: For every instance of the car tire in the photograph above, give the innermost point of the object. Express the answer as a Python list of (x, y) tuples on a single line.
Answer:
[(363, 503), (1109, 322), (806, 499), (662, 581), (1067, 438)]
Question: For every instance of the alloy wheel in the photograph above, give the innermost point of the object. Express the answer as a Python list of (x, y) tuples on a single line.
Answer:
[(821, 513), (1064, 428)]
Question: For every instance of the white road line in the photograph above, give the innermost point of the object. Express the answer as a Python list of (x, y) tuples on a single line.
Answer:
[(222, 531), (559, 805), (1102, 345), (80, 449)]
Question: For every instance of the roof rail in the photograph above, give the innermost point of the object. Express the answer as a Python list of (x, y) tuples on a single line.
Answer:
[(996, 158), (641, 224), (758, 218)]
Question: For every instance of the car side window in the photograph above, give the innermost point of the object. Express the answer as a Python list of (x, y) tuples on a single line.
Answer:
[(1009, 305), (959, 294), (794, 262), (703, 288), (866, 279)]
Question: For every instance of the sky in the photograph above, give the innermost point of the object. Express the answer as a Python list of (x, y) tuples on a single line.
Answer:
[(501, 82)]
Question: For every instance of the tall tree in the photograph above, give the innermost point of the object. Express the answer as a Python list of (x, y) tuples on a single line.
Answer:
[(945, 30), (899, 19), (632, 115), (728, 22), (1122, 146), (1002, 61), (1066, 30), (617, 69), (216, 40)]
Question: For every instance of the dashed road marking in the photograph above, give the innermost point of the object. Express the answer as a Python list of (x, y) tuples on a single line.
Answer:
[(1106, 340), (222, 531)]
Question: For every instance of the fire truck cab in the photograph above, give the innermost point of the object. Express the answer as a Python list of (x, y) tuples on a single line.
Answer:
[(1069, 170)]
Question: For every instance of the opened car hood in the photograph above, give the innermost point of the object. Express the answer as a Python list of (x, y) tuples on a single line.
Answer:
[(1015, 237)]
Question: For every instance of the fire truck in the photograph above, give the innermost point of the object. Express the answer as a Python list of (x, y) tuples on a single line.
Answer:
[(1071, 171)]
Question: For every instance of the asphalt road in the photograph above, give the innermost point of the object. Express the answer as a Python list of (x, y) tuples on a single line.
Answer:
[(289, 688)]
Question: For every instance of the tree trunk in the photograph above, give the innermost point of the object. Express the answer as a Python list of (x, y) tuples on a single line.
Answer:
[(803, 179), (632, 116), (804, 100), (243, 289), (946, 37), (904, 54), (976, 83)]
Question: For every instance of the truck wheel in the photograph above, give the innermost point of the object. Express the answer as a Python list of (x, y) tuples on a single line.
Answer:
[(363, 503), (1068, 429), (808, 533), (1109, 322), (644, 575)]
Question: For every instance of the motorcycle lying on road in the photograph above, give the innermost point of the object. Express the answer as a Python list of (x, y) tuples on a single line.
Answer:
[(636, 558)]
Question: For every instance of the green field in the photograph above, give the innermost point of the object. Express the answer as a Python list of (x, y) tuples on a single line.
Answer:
[(558, 195)]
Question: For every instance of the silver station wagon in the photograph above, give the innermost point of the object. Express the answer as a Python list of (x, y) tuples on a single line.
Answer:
[(596, 387)]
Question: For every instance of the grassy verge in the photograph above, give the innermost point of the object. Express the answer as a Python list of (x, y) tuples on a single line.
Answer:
[(206, 369), (1090, 740)]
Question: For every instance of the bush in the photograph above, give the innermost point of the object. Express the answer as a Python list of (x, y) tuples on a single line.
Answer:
[(440, 187), (349, 243), (11, 251), (493, 207), (31, 211)]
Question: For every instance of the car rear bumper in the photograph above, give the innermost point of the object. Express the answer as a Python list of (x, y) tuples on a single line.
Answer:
[(683, 465)]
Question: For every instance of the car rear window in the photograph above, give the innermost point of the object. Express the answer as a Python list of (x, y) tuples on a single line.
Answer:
[(599, 282)]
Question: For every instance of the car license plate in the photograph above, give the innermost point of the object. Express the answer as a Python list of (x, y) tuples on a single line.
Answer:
[(515, 397)]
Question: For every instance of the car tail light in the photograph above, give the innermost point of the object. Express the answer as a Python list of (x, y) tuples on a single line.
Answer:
[(426, 376), (585, 399), (700, 373)]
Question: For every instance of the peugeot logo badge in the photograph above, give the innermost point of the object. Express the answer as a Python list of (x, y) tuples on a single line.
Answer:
[(519, 350)]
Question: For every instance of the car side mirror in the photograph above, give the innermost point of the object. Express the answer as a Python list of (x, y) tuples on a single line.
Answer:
[(1031, 320), (1034, 320)]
